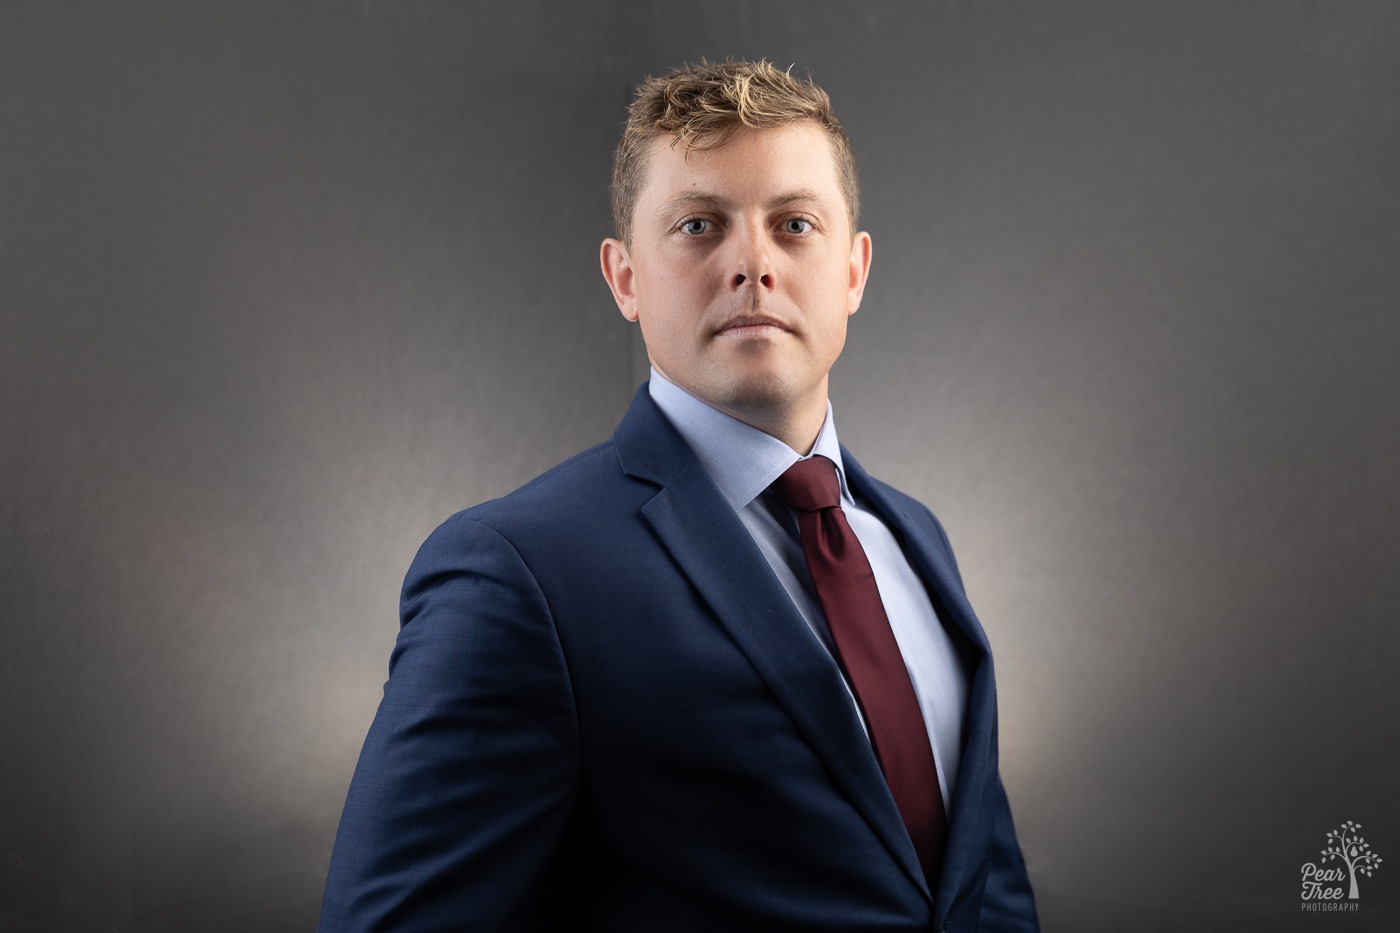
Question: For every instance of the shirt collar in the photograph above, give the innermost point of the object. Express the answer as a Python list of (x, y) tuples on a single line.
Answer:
[(740, 459)]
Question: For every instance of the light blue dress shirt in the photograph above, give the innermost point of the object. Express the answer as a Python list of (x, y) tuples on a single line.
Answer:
[(743, 462)]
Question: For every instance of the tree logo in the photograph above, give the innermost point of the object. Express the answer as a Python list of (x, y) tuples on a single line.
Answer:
[(1322, 888)]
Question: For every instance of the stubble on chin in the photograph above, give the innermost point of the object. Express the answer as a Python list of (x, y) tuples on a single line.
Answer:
[(751, 392)]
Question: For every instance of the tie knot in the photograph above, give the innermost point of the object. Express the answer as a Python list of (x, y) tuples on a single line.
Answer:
[(809, 485)]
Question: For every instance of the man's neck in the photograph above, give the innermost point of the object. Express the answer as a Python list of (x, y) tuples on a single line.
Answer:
[(797, 427), (796, 424)]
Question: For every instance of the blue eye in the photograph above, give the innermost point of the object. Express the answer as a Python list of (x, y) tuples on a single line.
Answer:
[(695, 226), (797, 225)]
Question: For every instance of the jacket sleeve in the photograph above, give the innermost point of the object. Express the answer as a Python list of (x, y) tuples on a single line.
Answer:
[(467, 777), (1008, 903), (1008, 906)]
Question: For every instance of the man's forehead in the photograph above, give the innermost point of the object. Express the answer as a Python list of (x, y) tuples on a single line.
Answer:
[(678, 168)]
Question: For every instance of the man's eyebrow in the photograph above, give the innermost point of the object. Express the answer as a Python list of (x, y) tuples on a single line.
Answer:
[(793, 197), (717, 202)]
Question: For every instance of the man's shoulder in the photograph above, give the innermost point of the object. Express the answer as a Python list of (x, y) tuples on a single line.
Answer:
[(580, 479), (568, 519), (588, 492), (898, 507), (867, 486)]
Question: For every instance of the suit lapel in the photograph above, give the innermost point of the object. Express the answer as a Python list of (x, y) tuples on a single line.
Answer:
[(968, 835), (717, 554)]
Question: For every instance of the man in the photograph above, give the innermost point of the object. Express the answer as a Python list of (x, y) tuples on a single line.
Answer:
[(710, 675)]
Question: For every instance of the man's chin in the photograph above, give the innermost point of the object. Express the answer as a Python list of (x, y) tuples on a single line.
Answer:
[(755, 393)]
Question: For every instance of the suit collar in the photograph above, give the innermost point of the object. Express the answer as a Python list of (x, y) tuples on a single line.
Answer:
[(648, 447)]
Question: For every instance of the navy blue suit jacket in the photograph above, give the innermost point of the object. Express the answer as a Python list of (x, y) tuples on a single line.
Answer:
[(604, 712)]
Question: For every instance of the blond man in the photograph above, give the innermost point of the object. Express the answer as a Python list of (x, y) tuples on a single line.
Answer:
[(709, 675)]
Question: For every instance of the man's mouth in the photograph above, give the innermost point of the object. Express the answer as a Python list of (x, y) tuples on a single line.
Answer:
[(749, 325)]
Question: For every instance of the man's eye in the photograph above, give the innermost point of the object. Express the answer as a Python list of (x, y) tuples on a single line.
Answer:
[(695, 226), (797, 225)]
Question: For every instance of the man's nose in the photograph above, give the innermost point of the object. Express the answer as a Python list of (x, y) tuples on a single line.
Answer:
[(753, 262)]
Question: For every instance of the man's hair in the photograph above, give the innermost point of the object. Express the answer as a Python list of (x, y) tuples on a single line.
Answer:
[(703, 105)]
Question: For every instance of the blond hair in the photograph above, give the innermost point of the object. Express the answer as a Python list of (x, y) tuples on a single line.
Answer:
[(703, 105)]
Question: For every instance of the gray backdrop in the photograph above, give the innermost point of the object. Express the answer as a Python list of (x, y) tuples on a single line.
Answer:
[(285, 284)]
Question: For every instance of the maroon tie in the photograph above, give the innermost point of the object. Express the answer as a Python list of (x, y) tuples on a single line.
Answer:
[(868, 653)]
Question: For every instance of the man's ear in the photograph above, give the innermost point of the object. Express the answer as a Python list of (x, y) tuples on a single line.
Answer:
[(617, 270), (860, 270)]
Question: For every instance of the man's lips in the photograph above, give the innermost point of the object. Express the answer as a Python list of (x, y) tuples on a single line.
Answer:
[(746, 324)]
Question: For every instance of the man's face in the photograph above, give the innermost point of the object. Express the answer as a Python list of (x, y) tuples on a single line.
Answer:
[(743, 269)]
